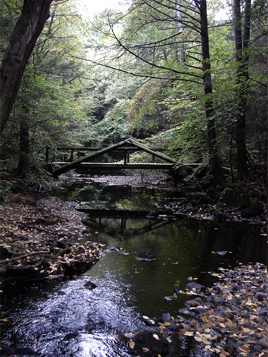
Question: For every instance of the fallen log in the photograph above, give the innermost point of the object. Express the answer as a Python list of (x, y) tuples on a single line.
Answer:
[(6, 261)]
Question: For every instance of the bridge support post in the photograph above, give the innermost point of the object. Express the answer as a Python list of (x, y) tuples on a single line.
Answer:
[(126, 157)]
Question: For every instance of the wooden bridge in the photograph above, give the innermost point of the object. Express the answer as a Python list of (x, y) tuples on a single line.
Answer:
[(86, 163)]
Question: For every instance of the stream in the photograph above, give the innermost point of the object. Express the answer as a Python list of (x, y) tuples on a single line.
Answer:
[(64, 318)]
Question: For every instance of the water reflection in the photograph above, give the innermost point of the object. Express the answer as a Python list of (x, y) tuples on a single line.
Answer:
[(65, 319)]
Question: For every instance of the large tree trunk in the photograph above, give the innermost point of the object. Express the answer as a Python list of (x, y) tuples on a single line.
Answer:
[(207, 82), (26, 32), (180, 29), (242, 58)]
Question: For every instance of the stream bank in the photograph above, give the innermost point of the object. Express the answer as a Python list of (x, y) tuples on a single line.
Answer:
[(40, 234), (40, 240), (70, 319)]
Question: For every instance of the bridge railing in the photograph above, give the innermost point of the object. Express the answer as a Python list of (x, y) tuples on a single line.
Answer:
[(52, 153)]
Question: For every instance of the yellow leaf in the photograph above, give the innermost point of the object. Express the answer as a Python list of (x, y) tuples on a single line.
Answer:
[(222, 325), (214, 337), (131, 345), (244, 348), (245, 329), (206, 342), (4, 320)]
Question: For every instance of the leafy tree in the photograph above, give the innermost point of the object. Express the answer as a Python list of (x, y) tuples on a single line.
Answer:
[(30, 24), (155, 56), (48, 108)]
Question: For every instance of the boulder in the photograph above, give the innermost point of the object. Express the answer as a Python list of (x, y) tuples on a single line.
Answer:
[(148, 344)]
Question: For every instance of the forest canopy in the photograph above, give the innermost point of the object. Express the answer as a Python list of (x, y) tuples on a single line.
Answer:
[(175, 74)]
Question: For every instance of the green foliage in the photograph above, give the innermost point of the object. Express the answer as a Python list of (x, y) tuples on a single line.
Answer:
[(140, 201), (74, 102)]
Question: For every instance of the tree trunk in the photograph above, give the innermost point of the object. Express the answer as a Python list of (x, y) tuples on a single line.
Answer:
[(214, 158), (180, 28), (26, 32), (242, 58)]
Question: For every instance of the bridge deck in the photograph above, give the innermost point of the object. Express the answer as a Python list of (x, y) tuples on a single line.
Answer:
[(116, 165), (103, 213)]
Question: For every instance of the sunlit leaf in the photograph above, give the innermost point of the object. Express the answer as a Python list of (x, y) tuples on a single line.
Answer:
[(245, 329), (244, 348), (156, 336), (188, 333), (131, 345)]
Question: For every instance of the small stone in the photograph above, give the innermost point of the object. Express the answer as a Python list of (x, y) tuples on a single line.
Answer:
[(166, 317), (260, 319), (235, 309), (193, 303), (257, 348), (229, 315), (263, 343), (263, 312)]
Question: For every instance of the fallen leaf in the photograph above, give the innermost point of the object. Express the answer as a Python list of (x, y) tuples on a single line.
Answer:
[(188, 333), (244, 348), (131, 345), (245, 329), (145, 349), (156, 336)]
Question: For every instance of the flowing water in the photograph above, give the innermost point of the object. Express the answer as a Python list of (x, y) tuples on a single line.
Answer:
[(66, 319)]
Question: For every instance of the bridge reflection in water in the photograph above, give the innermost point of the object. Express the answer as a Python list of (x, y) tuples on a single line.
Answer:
[(148, 220)]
